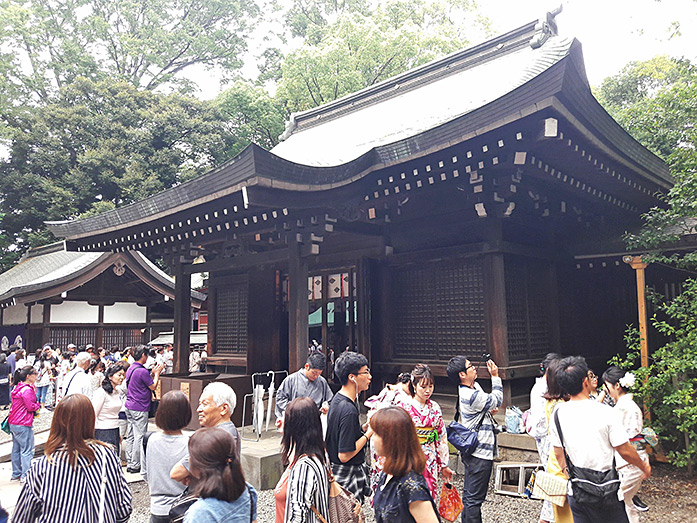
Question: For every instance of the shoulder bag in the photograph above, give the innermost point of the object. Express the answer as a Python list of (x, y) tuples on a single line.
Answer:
[(343, 505), (588, 486), (464, 439)]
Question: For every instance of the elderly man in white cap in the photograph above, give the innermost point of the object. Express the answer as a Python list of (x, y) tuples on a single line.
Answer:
[(77, 381)]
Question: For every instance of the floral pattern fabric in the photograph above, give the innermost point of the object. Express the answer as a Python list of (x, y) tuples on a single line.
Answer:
[(436, 447)]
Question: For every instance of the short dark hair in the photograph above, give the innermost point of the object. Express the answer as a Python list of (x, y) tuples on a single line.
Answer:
[(213, 456), (302, 431), (455, 366), (317, 360), (174, 412), (13, 348), (421, 372), (554, 390), (548, 359), (572, 371), (348, 363), (139, 351)]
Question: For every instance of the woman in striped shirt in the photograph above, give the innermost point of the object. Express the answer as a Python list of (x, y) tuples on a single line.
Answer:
[(305, 484), (78, 477)]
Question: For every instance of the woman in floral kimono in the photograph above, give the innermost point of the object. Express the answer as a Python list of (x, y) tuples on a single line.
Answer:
[(430, 428)]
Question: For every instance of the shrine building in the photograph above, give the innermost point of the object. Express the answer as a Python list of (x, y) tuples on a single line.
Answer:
[(467, 206)]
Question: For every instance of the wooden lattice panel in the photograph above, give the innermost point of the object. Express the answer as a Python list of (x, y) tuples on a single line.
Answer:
[(122, 337), (231, 319), (60, 337), (527, 309), (516, 309), (440, 310)]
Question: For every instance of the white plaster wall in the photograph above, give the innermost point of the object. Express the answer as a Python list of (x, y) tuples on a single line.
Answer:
[(74, 312), (37, 313), (14, 315), (124, 313)]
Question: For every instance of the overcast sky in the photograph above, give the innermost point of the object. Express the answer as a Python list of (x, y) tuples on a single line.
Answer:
[(613, 32)]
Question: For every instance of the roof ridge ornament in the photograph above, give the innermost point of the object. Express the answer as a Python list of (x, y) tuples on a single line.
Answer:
[(545, 27)]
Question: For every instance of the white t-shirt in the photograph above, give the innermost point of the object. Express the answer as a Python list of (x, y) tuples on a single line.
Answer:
[(77, 381), (591, 430)]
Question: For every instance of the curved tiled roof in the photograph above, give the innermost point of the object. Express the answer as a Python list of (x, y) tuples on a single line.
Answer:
[(52, 265)]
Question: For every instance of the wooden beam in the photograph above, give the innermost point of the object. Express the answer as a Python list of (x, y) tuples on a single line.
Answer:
[(241, 262), (182, 318), (298, 309), (639, 266)]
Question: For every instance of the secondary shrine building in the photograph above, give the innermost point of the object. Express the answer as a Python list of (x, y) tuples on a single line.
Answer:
[(463, 207)]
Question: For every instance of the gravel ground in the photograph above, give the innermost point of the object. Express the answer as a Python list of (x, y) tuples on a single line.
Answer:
[(671, 495)]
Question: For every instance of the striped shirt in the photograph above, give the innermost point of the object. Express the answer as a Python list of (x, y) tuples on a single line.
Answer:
[(473, 402), (308, 486), (55, 492)]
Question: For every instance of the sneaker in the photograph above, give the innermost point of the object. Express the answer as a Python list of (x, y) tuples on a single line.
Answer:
[(14, 479), (132, 471), (639, 505)]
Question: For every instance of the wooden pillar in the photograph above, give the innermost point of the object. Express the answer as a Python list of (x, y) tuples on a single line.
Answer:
[(325, 312), (495, 314), (182, 318), (298, 310), (636, 263), (364, 307)]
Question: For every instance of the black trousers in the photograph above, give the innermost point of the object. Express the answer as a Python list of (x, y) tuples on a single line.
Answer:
[(584, 513), (477, 475)]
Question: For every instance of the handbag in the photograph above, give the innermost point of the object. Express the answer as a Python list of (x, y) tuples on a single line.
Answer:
[(588, 486), (450, 504), (343, 505), (462, 438), (550, 487), (181, 505), (5, 425), (154, 404)]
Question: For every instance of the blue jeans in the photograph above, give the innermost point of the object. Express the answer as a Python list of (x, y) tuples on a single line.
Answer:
[(477, 475), (584, 513), (22, 450), (41, 393)]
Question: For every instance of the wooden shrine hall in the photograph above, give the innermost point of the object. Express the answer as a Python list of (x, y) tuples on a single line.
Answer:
[(441, 210)]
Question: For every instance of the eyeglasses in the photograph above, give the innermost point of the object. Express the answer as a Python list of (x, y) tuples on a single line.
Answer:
[(367, 371), (468, 367)]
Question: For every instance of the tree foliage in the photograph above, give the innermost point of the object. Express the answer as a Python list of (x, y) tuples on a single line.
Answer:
[(667, 386), (103, 145), (251, 115), (144, 42), (358, 50), (656, 101)]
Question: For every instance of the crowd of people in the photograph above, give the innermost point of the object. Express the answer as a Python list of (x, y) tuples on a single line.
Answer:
[(198, 477)]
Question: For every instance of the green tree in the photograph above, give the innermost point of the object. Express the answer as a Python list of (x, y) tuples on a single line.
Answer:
[(656, 102), (251, 115), (102, 145), (144, 42), (358, 50)]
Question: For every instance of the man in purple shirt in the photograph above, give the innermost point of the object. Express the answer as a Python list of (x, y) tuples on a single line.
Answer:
[(140, 385)]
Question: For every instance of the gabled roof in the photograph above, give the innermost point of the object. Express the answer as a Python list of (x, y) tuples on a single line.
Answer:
[(511, 78), (418, 100), (45, 268)]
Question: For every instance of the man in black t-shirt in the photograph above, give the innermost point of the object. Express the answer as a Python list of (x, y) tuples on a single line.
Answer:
[(346, 441)]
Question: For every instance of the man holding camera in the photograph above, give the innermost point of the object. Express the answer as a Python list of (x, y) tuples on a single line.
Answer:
[(475, 407)]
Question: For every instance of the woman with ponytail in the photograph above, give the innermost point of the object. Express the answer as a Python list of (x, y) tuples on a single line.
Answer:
[(218, 480), (107, 403), (618, 384), (21, 420)]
